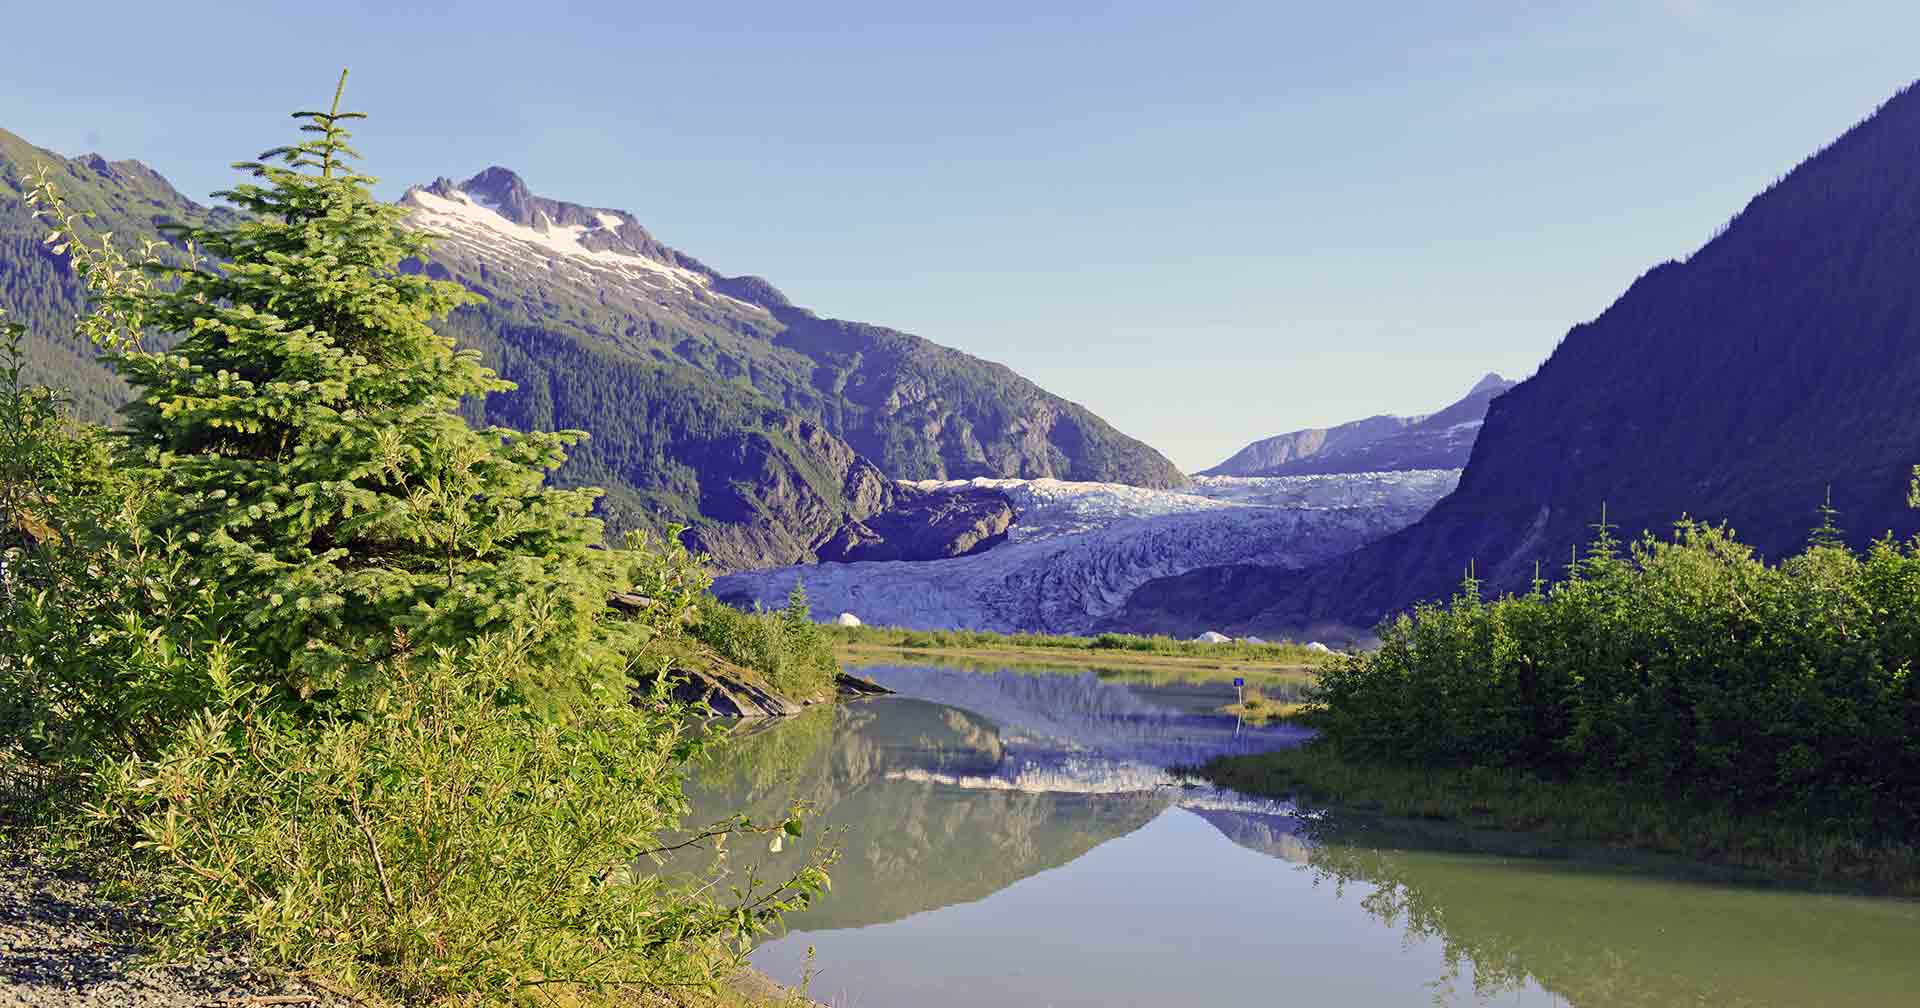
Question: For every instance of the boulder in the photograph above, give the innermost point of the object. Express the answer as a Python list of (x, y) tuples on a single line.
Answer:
[(629, 603), (730, 695), (729, 691)]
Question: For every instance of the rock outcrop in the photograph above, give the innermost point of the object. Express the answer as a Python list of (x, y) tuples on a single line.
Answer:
[(925, 525)]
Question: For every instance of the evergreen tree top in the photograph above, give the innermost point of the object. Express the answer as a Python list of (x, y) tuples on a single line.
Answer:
[(304, 442)]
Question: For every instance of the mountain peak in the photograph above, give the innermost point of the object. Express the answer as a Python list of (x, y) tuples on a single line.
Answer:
[(505, 192), (499, 199), (1492, 382), (496, 208), (1438, 440)]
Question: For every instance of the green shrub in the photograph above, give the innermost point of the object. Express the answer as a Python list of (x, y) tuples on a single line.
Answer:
[(1685, 663), (788, 650), (446, 846)]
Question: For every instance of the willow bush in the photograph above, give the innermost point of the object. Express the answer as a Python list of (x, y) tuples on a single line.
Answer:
[(446, 846)]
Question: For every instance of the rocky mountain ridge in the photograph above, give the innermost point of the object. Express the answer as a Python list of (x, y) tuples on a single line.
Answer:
[(1439, 440), (713, 402)]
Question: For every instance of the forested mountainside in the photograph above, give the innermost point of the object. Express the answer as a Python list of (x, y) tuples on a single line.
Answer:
[(1777, 363), (1440, 440), (712, 401), (126, 198)]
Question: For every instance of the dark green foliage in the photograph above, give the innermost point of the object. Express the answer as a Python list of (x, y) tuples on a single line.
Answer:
[(304, 450), (1685, 664), (673, 445)]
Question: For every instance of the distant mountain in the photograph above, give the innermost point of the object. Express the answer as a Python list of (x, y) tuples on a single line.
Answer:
[(713, 402), (1740, 385), (1441, 440)]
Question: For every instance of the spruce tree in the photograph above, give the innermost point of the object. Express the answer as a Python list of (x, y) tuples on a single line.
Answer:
[(304, 438)]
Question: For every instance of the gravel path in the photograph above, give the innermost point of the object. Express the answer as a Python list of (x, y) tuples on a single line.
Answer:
[(64, 946)]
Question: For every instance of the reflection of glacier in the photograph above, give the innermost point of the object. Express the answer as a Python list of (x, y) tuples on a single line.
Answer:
[(1274, 831), (969, 782), (1058, 728), (1076, 551)]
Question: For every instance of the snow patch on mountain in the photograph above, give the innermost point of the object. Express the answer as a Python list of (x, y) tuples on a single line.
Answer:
[(1077, 550), (545, 251)]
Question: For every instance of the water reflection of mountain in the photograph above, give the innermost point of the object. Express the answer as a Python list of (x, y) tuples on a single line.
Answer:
[(970, 782), (909, 845), (1274, 835), (1075, 725), (1009, 775), (1621, 938)]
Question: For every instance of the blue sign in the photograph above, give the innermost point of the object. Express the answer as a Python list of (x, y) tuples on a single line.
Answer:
[(1239, 682)]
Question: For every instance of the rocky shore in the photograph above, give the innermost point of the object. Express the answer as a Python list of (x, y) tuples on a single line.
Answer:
[(65, 945)]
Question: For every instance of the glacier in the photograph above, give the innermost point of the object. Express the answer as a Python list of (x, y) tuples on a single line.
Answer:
[(1076, 551)]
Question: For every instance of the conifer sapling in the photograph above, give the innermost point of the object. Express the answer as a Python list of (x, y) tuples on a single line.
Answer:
[(305, 443)]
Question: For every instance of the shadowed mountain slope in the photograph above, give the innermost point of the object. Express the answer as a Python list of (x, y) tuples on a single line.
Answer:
[(1738, 385), (713, 402)]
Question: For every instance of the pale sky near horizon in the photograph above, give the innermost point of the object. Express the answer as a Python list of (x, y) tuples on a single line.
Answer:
[(1208, 225)]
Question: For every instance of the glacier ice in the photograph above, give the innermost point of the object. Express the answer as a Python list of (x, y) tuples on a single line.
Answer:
[(1077, 550)]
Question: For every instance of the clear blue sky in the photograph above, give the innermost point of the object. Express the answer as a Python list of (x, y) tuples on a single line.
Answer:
[(1206, 224)]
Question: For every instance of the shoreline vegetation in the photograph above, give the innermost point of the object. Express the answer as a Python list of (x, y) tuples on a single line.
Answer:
[(330, 680), (1270, 664), (1698, 829), (1677, 695)]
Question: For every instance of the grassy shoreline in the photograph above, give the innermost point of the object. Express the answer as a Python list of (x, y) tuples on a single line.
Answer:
[(1262, 663), (1582, 813)]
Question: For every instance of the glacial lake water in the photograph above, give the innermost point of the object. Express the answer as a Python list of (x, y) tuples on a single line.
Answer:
[(1014, 838)]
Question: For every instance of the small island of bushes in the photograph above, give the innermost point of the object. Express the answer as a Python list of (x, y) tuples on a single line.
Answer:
[(1679, 694)]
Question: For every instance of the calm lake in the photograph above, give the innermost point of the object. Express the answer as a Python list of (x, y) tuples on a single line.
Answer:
[(1014, 838)]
